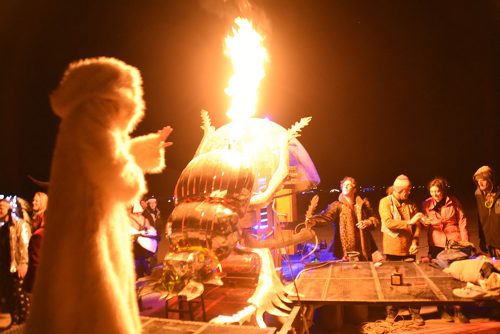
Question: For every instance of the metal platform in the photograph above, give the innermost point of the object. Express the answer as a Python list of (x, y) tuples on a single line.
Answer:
[(362, 282), (162, 326)]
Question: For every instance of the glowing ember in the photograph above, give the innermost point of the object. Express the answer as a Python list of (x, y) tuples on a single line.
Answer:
[(248, 57)]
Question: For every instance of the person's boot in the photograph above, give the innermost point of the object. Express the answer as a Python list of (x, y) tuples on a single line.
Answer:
[(392, 313), (445, 315), (416, 317), (460, 317)]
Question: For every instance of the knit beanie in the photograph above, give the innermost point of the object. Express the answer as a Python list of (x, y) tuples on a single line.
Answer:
[(402, 181)]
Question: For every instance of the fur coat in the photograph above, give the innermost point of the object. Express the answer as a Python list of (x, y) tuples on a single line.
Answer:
[(85, 281), (346, 236)]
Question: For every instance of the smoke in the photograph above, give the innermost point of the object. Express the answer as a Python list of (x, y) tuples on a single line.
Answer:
[(230, 9)]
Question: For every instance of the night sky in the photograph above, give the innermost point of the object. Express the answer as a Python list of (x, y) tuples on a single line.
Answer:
[(392, 86)]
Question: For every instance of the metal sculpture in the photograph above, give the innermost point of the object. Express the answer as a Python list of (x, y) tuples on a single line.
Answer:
[(237, 168)]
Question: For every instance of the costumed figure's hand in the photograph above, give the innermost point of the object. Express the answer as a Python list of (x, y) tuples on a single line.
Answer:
[(164, 133)]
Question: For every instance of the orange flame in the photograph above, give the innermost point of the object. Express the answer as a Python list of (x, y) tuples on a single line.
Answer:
[(248, 58)]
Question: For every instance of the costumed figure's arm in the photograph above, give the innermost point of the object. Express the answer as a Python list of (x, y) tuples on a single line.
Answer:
[(149, 150), (106, 152)]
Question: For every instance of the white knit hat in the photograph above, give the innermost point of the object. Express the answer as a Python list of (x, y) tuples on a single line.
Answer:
[(402, 181)]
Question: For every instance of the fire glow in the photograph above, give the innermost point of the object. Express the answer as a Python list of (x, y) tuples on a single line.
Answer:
[(248, 57)]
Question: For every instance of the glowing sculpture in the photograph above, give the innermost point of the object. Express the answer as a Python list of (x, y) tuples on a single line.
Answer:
[(238, 167)]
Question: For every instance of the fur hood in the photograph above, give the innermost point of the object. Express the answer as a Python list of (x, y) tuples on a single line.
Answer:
[(485, 172), (102, 78)]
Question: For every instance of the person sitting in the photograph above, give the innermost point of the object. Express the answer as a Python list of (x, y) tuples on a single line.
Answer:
[(445, 221)]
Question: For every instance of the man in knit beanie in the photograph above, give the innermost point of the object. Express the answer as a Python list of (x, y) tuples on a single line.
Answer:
[(400, 226), (488, 209)]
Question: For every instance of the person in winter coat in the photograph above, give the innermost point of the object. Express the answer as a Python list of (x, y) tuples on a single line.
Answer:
[(445, 221), (488, 208), (401, 229), (15, 233), (40, 201), (353, 219), (444, 217)]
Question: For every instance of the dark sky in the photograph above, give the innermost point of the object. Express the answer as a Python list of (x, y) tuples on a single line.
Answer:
[(392, 86)]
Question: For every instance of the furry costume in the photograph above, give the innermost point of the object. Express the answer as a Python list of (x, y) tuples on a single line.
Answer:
[(346, 236), (86, 282)]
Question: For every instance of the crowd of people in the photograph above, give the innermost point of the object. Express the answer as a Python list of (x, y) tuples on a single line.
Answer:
[(21, 231), (353, 217), (402, 221), (21, 234)]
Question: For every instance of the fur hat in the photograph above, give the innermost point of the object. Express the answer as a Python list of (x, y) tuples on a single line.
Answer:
[(484, 172), (402, 181), (97, 78)]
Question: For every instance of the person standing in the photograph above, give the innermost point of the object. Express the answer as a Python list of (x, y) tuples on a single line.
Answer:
[(145, 243), (488, 209), (352, 218), (14, 238), (400, 226), (40, 201), (152, 213)]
